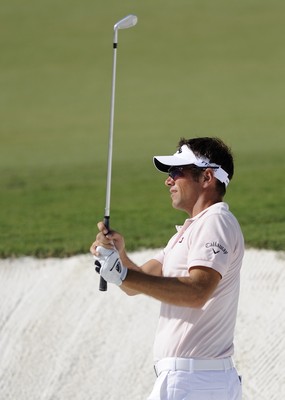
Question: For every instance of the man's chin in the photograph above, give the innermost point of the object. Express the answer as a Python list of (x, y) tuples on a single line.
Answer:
[(175, 205)]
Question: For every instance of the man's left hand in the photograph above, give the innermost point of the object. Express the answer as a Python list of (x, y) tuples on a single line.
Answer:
[(109, 266)]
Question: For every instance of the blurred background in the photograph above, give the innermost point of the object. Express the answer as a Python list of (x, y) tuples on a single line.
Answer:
[(188, 68)]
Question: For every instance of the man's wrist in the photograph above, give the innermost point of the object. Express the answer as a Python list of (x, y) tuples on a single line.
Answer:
[(124, 257)]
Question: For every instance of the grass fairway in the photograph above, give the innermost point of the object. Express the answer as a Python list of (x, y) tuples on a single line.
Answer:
[(189, 68)]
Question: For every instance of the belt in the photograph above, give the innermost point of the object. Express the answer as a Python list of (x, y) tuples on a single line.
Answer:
[(192, 365)]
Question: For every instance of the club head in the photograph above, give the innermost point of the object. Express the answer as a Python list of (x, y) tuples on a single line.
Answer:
[(127, 22)]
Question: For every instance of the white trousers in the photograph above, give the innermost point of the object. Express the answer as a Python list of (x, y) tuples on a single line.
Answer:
[(199, 385)]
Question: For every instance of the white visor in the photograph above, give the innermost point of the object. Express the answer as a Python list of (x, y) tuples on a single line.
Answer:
[(185, 156)]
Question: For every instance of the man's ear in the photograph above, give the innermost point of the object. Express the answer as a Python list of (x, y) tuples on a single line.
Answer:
[(208, 175)]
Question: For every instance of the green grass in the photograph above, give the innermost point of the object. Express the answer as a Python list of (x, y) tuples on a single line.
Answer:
[(189, 68)]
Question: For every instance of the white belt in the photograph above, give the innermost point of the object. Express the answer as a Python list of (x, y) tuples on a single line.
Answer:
[(192, 365)]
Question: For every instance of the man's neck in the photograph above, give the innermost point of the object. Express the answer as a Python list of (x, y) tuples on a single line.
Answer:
[(202, 205)]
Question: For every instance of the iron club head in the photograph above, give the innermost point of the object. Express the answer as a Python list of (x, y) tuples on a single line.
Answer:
[(125, 23)]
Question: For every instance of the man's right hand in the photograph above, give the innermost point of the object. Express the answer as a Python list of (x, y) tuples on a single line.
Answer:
[(108, 240)]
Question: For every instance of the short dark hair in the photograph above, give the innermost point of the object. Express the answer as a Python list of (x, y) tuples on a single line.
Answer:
[(216, 151)]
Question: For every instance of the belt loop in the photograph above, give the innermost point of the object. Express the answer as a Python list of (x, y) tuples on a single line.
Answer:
[(228, 363), (191, 365), (175, 364)]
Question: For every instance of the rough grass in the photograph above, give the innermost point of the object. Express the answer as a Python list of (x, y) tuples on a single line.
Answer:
[(187, 69)]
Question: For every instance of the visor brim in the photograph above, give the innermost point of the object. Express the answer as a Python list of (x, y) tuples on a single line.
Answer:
[(163, 163)]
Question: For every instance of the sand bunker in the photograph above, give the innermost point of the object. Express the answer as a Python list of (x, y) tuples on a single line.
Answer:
[(62, 339)]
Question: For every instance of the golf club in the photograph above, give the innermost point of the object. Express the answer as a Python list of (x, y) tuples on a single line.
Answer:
[(127, 22)]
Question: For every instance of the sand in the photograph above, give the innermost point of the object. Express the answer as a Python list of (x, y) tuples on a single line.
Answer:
[(62, 339)]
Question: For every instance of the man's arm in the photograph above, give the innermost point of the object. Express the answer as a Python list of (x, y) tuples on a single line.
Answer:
[(191, 291), (152, 267)]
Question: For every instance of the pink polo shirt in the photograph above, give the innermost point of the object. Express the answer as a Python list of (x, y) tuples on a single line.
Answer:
[(211, 239)]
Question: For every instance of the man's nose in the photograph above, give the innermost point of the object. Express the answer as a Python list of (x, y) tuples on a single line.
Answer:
[(169, 181)]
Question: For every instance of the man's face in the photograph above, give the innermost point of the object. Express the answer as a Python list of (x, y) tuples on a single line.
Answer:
[(184, 189)]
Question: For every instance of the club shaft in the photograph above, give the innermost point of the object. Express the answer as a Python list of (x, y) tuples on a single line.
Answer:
[(103, 284), (111, 135)]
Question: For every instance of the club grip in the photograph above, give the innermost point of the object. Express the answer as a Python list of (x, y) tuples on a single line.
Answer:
[(103, 284)]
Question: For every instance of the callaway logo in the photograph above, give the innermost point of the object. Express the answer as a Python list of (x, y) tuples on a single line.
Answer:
[(117, 266), (216, 247), (215, 252)]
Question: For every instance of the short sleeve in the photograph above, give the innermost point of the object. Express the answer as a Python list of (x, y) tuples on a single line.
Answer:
[(212, 243)]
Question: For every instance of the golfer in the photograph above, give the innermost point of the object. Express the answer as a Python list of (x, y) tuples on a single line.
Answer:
[(196, 276)]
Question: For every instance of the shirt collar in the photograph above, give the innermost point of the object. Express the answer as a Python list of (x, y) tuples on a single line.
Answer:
[(220, 205)]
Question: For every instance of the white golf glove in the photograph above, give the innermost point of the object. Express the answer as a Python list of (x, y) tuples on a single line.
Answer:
[(109, 266)]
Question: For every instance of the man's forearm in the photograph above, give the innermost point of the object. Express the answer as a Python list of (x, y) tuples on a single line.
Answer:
[(185, 291), (175, 291)]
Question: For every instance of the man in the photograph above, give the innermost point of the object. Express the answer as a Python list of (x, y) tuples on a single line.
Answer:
[(196, 277)]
